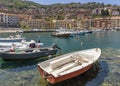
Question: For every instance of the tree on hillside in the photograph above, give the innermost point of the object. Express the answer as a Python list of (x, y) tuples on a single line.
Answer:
[(118, 9), (60, 17), (104, 12), (24, 25)]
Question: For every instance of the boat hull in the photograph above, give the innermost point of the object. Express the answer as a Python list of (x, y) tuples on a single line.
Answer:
[(69, 65), (26, 56), (17, 44), (51, 79), (61, 35), (11, 40)]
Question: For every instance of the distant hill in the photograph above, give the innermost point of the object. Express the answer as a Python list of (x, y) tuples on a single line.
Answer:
[(18, 4), (40, 11)]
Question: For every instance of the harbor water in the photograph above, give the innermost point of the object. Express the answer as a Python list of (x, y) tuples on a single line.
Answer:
[(106, 71)]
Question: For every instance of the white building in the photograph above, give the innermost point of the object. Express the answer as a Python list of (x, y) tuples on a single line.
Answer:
[(3, 20), (9, 20), (13, 21)]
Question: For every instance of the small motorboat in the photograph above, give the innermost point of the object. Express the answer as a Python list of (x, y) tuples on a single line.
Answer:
[(18, 44), (69, 65), (6, 46), (17, 38), (30, 53), (11, 39), (61, 34), (88, 31)]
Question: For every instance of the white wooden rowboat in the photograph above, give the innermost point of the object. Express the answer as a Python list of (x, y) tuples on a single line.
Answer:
[(69, 65)]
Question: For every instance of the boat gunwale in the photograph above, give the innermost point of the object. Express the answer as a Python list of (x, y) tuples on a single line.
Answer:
[(25, 52)]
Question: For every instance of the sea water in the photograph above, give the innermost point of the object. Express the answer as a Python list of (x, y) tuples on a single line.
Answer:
[(105, 73)]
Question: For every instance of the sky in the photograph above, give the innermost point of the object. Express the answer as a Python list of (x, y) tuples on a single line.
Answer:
[(49, 2)]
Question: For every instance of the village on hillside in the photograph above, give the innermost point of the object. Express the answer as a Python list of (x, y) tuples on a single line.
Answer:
[(91, 15)]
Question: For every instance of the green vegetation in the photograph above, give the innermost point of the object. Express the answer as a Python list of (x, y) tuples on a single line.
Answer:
[(104, 12), (60, 17), (24, 26), (42, 82), (96, 16), (18, 4), (106, 84)]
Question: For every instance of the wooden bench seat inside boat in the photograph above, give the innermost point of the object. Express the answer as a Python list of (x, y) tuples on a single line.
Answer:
[(60, 66), (56, 63), (63, 68), (62, 61), (68, 67)]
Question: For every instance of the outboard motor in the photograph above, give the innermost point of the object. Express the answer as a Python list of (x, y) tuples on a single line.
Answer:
[(55, 46)]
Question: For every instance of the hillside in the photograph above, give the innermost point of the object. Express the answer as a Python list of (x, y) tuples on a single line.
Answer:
[(40, 11), (18, 4)]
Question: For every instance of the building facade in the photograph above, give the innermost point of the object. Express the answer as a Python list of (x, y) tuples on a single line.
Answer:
[(115, 22), (9, 20), (3, 20), (13, 21), (35, 23)]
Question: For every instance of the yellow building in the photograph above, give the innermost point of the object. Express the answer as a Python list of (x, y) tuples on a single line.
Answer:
[(115, 21)]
